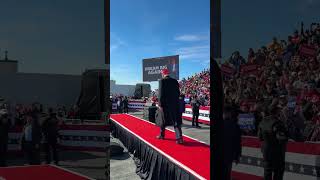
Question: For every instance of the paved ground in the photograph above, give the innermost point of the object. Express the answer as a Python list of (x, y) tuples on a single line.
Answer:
[(122, 167)]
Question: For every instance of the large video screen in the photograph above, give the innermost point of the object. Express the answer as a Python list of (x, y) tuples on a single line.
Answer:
[(152, 67)]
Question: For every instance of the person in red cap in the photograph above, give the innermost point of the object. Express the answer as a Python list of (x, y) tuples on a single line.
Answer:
[(169, 104)]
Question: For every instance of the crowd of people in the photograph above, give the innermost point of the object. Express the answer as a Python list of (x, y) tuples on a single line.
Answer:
[(122, 104), (284, 75), (40, 127), (197, 85)]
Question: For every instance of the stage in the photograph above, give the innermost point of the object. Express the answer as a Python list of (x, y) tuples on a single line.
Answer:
[(302, 158), (164, 159)]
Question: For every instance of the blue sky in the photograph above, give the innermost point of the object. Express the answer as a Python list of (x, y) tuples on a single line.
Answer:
[(148, 28), (53, 36), (248, 24), (58, 36)]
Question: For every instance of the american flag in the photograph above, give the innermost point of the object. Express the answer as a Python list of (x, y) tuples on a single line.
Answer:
[(302, 159)]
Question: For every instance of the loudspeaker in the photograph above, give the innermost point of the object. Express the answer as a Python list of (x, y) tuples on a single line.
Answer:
[(92, 99), (142, 90), (102, 93)]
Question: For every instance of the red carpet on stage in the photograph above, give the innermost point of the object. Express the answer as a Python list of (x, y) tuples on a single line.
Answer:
[(192, 154), (40, 172)]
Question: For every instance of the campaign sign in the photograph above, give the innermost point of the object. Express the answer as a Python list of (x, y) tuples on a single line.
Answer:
[(291, 102), (308, 51), (246, 121), (187, 100), (227, 70), (152, 67), (249, 69)]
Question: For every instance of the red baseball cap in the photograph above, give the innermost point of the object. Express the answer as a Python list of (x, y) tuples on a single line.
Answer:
[(165, 72)]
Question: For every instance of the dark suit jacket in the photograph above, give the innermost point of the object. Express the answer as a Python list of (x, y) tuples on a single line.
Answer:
[(4, 129), (36, 133), (182, 106), (195, 106), (50, 130), (169, 100), (125, 103), (231, 141)]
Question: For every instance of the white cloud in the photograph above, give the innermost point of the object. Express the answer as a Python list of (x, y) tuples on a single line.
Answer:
[(194, 52), (193, 37), (198, 53), (113, 47), (116, 42), (187, 38)]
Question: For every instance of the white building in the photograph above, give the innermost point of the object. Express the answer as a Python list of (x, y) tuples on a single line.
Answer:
[(126, 90), (48, 89)]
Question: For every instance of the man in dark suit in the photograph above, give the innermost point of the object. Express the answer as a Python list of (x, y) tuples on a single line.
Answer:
[(273, 134), (195, 103), (31, 138), (126, 105), (231, 140), (50, 129), (169, 104)]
